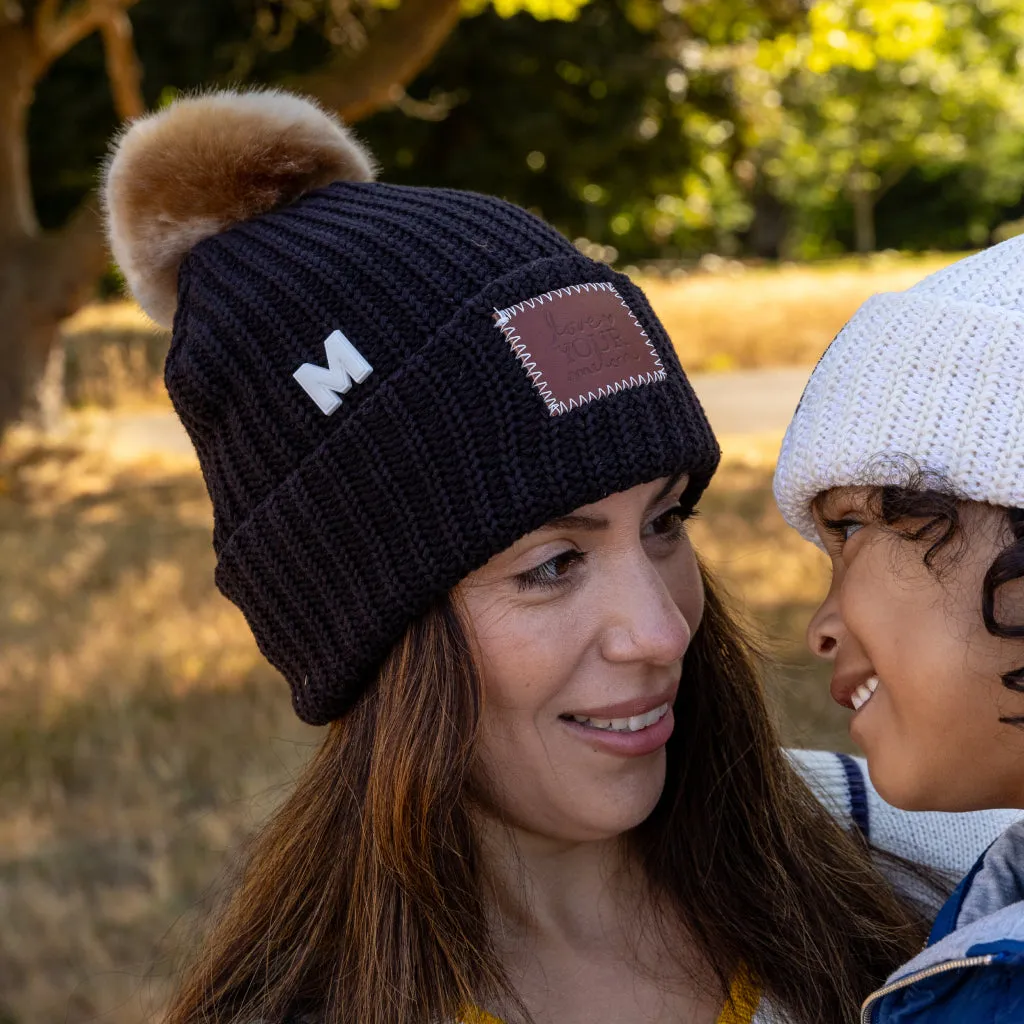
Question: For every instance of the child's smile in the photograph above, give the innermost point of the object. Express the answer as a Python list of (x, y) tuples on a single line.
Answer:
[(856, 697), (912, 658)]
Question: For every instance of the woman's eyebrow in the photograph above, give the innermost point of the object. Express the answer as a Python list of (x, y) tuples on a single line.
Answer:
[(592, 523), (576, 522), (670, 485)]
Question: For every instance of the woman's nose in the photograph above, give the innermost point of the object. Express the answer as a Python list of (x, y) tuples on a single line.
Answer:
[(825, 630), (643, 622)]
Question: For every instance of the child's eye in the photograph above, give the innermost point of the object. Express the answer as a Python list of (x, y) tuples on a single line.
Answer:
[(843, 529), (554, 572), (669, 525)]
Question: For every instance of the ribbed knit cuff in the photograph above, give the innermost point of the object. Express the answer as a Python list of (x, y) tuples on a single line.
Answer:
[(912, 382)]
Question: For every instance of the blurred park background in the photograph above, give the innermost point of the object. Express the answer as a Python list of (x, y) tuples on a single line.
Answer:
[(761, 165)]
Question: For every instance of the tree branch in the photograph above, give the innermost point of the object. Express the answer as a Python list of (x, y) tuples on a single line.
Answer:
[(17, 79), (46, 16), (56, 34), (437, 108), (399, 47), (123, 67)]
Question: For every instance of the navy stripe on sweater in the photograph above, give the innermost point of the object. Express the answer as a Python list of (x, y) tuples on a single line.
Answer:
[(858, 794)]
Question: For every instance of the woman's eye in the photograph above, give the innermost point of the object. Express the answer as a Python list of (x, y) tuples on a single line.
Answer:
[(552, 573), (669, 525), (850, 528)]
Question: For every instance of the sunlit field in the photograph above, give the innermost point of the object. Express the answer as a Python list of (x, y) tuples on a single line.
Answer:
[(745, 318), (142, 737)]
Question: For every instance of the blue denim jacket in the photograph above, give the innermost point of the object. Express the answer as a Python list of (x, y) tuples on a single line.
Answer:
[(972, 969)]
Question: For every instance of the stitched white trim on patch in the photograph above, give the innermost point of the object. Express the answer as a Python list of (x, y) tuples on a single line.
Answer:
[(555, 354)]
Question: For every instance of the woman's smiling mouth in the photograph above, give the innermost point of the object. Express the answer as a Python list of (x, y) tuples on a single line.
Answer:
[(631, 728), (632, 724)]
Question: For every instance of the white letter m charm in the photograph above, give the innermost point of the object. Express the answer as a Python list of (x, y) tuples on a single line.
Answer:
[(344, 365)]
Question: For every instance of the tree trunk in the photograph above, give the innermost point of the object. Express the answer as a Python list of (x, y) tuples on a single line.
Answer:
[(864, 220), (45, 279), (44, 276), (769, 228), (17, 78)]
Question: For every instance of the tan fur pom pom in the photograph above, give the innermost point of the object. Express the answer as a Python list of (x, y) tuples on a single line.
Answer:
[(206, 162)]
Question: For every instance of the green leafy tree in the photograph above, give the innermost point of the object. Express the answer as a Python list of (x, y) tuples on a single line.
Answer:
[(615, 127), (864, 91)]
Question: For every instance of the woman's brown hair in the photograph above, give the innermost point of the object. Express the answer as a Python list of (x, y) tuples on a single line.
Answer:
[(360, 902)]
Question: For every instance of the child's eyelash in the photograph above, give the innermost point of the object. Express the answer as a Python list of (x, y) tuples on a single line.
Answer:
[(838, 527)]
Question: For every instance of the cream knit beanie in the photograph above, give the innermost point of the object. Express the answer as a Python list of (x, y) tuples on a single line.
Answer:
[(934, 374)]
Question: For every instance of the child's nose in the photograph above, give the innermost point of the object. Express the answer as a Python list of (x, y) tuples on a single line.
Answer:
[(825, 630)]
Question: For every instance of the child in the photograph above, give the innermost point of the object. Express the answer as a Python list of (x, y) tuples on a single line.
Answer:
[(905, 463)]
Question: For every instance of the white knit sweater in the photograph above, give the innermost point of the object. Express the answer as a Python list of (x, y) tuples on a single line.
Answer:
[(949, 843)]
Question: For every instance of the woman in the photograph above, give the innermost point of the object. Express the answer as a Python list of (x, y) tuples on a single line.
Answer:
[(549, 790)]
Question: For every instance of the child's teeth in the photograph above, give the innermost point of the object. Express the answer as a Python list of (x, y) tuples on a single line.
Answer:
[(863, 693), (632, 724)]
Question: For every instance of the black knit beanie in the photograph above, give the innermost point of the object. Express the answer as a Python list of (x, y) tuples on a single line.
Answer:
[(385, 385)]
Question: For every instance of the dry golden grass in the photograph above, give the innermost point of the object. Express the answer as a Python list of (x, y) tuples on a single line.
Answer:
[(774, 316), (142, 736), (115, 356), (740, 318), (140, 732)]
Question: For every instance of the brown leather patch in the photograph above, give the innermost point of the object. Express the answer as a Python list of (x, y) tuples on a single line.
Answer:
[(578, 344)]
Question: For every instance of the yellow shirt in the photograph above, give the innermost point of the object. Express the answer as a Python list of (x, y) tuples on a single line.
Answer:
[(744, 998), (739, 1009)]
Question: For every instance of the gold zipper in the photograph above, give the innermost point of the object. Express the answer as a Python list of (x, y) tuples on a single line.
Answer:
[(928, 972)]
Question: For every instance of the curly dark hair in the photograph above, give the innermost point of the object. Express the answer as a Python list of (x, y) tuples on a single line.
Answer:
[(923, 495)]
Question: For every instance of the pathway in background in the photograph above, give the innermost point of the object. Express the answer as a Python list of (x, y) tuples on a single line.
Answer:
[(751, 401), (740, 402)]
